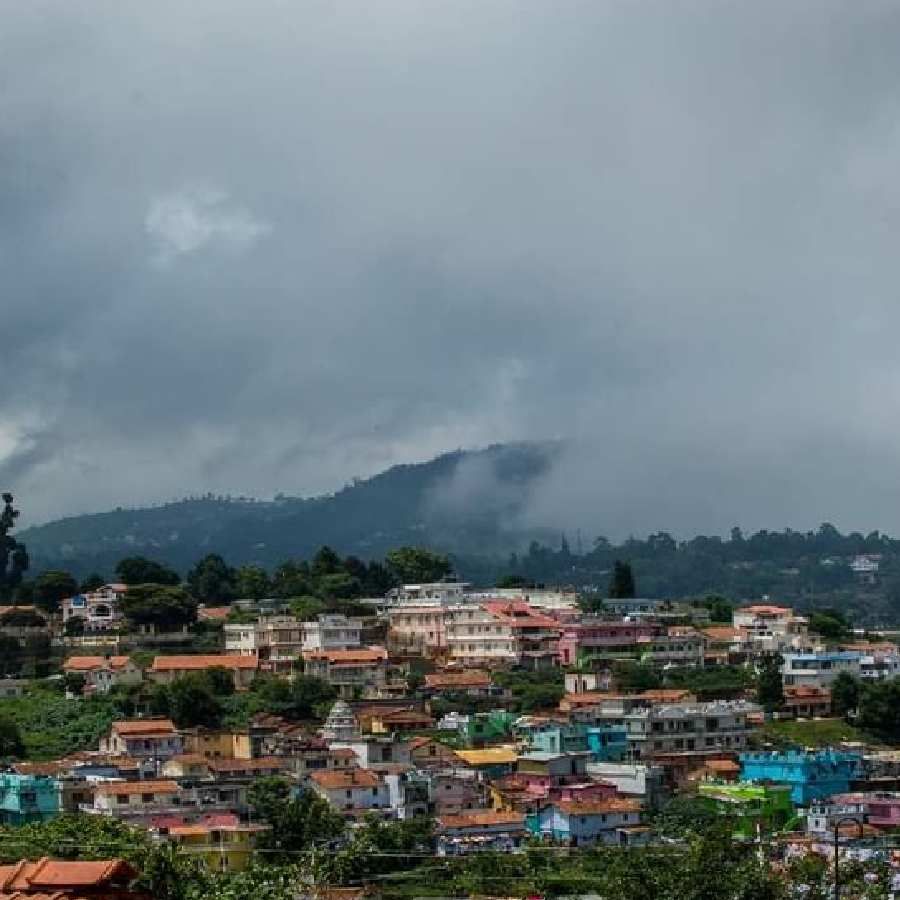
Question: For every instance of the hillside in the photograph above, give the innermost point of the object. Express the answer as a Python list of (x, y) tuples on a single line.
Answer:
[(465, 502)]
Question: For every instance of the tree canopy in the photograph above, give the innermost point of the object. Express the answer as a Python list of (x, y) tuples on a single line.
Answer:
[(51, 588), (140, 570), (159, 605), (211, 580), (417, 565)]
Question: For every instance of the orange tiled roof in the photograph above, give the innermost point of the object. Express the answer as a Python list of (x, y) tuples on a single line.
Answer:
[(595, 807), (57, 874), (248, 765), (723, 633), (806, 692), (470, 678), (160, 786), (190, 759), (765, 609), (143, 727), (89, 663), (662, 695), (350, 656), (214, 613), (722, 765), (481, 818), (347, 778), (179, 663), (518, 614)]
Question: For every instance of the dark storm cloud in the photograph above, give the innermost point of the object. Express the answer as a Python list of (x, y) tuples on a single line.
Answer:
[(267, 247)]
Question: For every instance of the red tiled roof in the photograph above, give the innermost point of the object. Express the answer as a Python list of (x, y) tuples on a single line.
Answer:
[(518, 614), (214, 613), (350, 656), (178, 663), (470, 678), (30, 877), (346, 778), (161, 786), (88, 663), (481, 818), (597, 807), (143, 727)]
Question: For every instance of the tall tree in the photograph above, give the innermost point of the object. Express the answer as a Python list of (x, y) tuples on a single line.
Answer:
[(51, 588), (252, 582), (212, 580), (93, 582), (769, 687), (140, 570), (621, 585), (416, 565), (156, 604), (844, 694), (13, 555)]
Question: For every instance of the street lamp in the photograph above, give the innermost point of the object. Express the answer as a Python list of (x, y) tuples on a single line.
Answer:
[(837, 868)]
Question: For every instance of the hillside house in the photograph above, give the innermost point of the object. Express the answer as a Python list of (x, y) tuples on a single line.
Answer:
[(584, 823), (477, 831), (102, 673), (355, 672), (97, 611), (353, 792), (166, 669), (155, 739)]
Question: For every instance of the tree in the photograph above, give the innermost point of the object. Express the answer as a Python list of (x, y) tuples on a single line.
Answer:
[(252, 582), (769, 687), (212, 580), (310, 697), (300, 823), (292, 579), (154, 604), (140, 570), (844, 694), (326, 562), (830, 624), (189, 701), (416, 565), (879, 710), (13, 555), (10, 739), (621, 585), (514, 581), (93, 582), (51, 588)]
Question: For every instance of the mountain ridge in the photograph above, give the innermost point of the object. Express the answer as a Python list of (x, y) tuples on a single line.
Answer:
[(424, 503)]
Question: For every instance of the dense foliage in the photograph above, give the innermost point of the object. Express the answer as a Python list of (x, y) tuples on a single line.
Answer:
[(13, 555)]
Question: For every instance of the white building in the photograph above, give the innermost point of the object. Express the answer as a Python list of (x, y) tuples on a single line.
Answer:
[(354, 792), (275, 640), (772, 628), (331, 632), (98, 610), (819, 669)]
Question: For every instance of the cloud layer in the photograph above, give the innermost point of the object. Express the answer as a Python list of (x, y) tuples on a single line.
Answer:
[(269, 247)]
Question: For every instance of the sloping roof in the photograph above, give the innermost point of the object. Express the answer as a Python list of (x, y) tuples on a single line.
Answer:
[(89, 663), (765, 609), (723, 633), (518, 614), (404, 717), (660, 695), (272, 763), (349, 656), (213, 613), (143, 727), (179, 663), (63, 874), (346, 778), (489, 756), (465, 679), (482, 818), (598, 807), (159, 786), (722, 765)]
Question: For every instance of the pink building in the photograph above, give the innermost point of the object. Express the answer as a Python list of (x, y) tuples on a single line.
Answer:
[(600, 638)]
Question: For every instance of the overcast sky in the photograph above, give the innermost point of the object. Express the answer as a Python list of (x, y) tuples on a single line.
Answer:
[(269, 246)]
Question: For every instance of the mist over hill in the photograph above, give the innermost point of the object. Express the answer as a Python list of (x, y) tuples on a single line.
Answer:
[(467, 502)]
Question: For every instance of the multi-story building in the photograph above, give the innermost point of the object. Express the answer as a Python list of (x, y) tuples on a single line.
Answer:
[(143, 739), (102, 673), (28, 798), (353, 792), (166, 669), (98, 610), (584, 823), (357, 672), (437, 592), (811, 775), (596, 639), (878, 660), (679, 645), (331, 632), (820, 668), (276, 641), (807, 701), (134, 800), (772, 628), (221, 843), (502, 633)]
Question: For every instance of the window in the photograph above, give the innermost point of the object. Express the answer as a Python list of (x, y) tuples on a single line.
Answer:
[(348, 794), (146, 798), (121, 798)]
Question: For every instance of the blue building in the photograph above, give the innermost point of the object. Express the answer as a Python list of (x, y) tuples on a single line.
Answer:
[(551, 736), (811, 775), (28, 798), (608, 743)]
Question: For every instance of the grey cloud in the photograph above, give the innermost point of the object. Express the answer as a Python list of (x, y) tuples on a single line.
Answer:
[(664, 232)]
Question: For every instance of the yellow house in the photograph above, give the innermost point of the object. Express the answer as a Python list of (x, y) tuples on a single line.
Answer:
[(186, 765), (217, 744), (220, 848)]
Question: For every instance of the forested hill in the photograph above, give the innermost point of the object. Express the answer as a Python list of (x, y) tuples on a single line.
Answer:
[(465, 502)]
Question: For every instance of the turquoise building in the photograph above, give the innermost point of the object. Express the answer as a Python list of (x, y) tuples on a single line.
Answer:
[(608, 743), (28, 798), (811, 775)]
